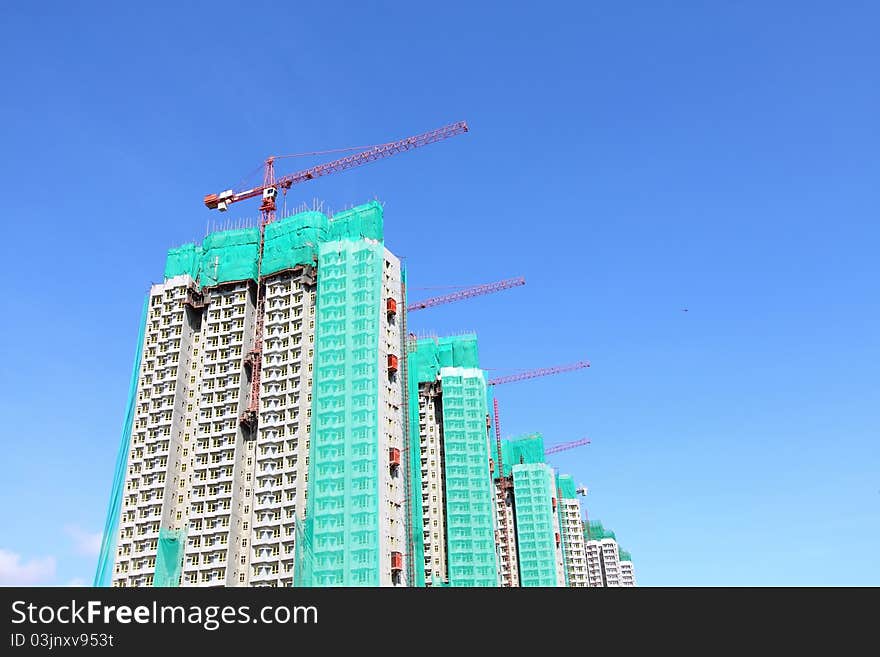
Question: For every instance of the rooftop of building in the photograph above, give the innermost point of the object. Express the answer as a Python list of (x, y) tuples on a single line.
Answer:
[(233, 255)]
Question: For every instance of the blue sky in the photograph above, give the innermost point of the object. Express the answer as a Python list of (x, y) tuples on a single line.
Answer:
[(629, 159)]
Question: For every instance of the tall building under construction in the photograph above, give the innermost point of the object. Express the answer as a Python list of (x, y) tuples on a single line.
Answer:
[(608, 564), (284, 428), (224, 439)]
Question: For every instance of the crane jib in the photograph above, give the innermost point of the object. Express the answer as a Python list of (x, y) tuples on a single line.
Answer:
[(220, 201)]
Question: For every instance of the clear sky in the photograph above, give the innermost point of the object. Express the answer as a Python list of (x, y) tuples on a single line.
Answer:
[(630, 159)]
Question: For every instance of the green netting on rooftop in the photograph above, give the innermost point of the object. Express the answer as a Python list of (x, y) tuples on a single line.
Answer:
[(362, 221), (470, 547), (432, 354), (623, 554), (533, 490), (169, 557), (183, 260), (595, 531), (230, 255), (106, 556), (293, 241), (567, 489), (523, 449), (342, 517)]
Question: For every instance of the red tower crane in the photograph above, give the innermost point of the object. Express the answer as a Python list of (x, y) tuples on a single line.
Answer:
[(268, 191), (467, 293), (562, 447), (544, 371)]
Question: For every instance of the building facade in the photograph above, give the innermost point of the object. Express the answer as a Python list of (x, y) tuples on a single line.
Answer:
[(572, 530), (605, 559), (249, 334)]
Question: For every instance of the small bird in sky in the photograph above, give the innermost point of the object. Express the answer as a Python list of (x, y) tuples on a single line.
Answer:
[(684, 310)]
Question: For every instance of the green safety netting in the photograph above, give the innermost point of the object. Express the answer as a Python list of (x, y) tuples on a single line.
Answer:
[(303, 573), (595, 531), (432, 354), (230, 255), (169, 557), (414, 469), (567, 489), (293, 241), (106, 556), (425, 358), (533, 492), (438, 582), (623, 555), (470, 549), (183, 260), (342, 518), (234, 255), (524, 449), (362, 221)]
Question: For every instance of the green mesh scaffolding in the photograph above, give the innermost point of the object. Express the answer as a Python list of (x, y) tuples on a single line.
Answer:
[(169, 557), (524, 449), (106, 556), (183, 260), (303, 571), (595, 531), (230, 255), (362, 221), (342, 517), (425, 358), (623, 555), (470, 548), (533, 489), (293, 241), (567, 489)]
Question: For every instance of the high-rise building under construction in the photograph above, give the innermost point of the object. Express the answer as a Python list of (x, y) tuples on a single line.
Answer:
[(226, 445), (283, 428), (608, 564), (450, 480)]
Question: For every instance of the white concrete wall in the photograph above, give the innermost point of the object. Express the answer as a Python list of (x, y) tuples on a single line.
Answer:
[(392, 491)]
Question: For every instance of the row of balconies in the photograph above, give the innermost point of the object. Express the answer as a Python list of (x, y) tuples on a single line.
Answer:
[(208, 510), (234, 311), (275, 485), (292, 330), (215, 442), (218, 455), (218, 399), (270, 553), (198, 544)]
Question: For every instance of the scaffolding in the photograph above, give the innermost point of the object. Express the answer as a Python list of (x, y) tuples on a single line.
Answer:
[(106, 556), (533, 486), (342, 517), (469, 519)]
